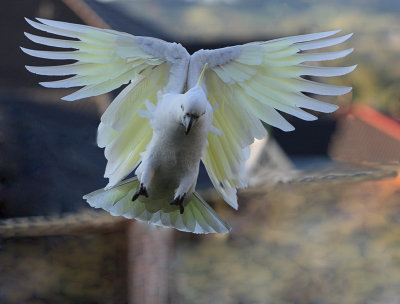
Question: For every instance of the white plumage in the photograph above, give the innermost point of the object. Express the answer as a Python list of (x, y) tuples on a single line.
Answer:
[(178, 109)]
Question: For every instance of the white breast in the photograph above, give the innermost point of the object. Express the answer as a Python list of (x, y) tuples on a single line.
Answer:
[(173, 154)]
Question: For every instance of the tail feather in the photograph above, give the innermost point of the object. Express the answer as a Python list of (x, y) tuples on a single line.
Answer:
[(198, 216)]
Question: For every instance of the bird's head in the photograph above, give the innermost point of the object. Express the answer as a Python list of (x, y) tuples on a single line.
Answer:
[(194, 104), (193, 107)]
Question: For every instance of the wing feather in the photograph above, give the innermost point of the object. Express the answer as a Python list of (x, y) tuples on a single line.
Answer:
[(105, 60), (254, 81)]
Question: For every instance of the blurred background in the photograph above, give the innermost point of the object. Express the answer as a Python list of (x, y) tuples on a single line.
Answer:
[(320, 225)]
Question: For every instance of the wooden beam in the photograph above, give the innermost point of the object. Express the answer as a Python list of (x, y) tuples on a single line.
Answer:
[(86, 13)]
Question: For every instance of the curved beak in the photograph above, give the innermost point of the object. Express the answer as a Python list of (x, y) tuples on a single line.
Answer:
[(188, 122)]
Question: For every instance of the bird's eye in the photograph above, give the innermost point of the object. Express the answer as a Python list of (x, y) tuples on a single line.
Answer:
[(182, 108)]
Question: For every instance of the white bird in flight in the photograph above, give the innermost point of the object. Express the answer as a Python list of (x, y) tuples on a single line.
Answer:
[(179, 109)]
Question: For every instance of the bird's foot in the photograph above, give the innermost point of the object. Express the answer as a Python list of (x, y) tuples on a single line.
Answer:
[(179, 202), (141, 191)]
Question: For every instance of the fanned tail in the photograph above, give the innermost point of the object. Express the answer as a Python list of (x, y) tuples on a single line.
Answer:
[(198, 216)]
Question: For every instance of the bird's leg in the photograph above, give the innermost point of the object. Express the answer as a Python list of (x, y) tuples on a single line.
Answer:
[(186, 185), (145, 180), (179, 202), (141, 191), (147, 175)]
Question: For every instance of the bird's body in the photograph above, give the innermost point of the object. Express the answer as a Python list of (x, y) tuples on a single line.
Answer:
[(178, 110), (169, 167)]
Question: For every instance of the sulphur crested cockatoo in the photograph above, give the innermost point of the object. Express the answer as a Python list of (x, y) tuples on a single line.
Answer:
[(179, 109)]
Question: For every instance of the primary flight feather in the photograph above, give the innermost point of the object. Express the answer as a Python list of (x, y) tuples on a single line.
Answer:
[(179, 109)]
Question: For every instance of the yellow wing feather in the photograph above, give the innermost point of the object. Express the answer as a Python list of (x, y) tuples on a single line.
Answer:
[(105, 60), (264, 77)]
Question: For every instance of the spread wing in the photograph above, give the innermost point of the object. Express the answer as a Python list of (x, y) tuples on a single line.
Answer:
[(254, 81), (105, 60)]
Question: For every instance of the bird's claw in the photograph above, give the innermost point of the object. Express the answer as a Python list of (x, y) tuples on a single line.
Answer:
[(179, 202), (141, 191)]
